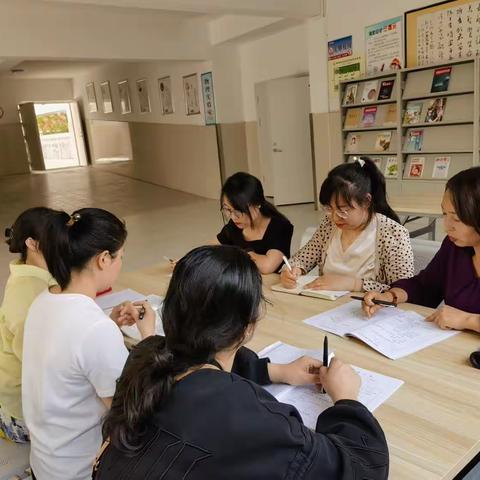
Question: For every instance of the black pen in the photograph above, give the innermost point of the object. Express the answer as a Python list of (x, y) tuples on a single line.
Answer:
[(384, 303), (325, 357)]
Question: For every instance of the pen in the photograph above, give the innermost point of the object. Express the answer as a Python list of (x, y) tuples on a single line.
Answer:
[(285, 260), (142, 313), (385, 303), (325, 357), (168, 259)]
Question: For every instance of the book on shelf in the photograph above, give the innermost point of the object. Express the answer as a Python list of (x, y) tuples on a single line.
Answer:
[(413, 112), (377, 161), (440, 167), (352, 118), (441, 79), (385, 91), (435, 110), (414, 141), (391, 167), (390, 114), (353, 142), (369, 115), (350, 94), (417, 165), (370, 91), (382, 142)]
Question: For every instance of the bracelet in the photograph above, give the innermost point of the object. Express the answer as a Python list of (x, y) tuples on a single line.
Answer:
[(394, 296)]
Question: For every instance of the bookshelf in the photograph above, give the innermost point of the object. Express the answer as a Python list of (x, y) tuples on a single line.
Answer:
[(437, 139)]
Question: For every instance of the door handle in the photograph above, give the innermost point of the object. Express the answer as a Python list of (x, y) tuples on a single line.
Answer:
[(277, 150)]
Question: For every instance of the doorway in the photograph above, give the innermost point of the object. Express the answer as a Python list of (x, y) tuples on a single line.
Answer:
[(283, 112)]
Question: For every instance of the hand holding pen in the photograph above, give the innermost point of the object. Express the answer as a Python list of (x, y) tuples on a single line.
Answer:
[(289, 275)]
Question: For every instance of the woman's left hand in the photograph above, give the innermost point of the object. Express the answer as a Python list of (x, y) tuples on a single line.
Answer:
[(303, 371), (330, 281), (124, 314), (450, 318)]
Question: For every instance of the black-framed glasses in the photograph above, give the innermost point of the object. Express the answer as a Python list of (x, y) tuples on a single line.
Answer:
[(230, 213)]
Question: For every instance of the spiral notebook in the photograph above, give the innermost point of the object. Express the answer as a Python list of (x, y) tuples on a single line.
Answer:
[(308, 292)]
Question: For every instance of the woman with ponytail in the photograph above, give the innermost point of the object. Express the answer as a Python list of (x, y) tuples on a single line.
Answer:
[(183, 408), (254, 224), (360, 245), (73, 352)]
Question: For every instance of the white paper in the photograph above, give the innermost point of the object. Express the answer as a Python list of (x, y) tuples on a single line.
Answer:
[(306, 279), (111, 300), (374, 391)]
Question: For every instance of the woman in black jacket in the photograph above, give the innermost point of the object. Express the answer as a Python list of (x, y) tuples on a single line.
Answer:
[(181, 412)]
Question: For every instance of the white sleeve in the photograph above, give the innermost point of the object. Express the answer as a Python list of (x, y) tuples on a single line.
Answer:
[(102, 357)]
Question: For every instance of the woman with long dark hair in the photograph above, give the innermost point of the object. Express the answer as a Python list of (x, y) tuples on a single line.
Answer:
[(180, 411), (360, 245), (254, 224), (453, 275)]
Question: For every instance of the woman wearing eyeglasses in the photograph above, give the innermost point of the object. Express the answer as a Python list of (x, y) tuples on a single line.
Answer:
[(254, 224), (360, 245)]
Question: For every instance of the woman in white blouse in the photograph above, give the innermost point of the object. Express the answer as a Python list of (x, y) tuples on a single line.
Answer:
[(360, 245)]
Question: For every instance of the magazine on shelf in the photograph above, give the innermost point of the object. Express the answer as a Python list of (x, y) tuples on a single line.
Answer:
[(350, 94), (368, 118), (390, 114), (352, 118), (414, 141), (382, 143), (385, 91), (370, 91), (441, 79), (435, 110), (413, 112), (391, 167), (440, 167), (353, 143), (417, 165)]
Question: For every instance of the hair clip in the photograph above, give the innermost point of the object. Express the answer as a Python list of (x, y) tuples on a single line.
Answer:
[(360, 161), (73, 218)]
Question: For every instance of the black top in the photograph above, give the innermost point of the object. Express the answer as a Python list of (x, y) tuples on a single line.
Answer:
[(218, 425), (278, 236)]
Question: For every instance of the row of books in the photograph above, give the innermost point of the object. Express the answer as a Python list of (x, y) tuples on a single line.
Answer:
[(431, 111), (368, 116), (374, 90), (382, 142), (416, 168)]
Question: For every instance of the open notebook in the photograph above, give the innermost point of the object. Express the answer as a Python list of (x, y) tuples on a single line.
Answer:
[(393, 332), (375, 389), (107, 302), (301, 290)]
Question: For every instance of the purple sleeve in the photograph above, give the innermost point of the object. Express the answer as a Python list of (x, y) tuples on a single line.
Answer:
[(427, 287)]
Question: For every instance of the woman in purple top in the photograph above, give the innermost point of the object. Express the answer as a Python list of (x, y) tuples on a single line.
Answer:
[(453, 275)]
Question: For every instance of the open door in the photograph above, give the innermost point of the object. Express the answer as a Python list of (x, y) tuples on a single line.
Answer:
[(28, 118)]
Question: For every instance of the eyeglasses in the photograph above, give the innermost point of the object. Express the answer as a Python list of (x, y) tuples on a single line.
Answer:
[(230, 213), (340, 213)]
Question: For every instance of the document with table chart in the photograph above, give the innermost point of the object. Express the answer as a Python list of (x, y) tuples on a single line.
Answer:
[(393, 332), (375, 389)]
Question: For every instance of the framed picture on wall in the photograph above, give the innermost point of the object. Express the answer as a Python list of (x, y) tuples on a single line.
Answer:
[(124, 94), (143, 98), (166, 96), (208, 98), (91, 97), (190, 90), (106, 97)]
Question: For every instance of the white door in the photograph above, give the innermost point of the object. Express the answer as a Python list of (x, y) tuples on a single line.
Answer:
[(284, 129)]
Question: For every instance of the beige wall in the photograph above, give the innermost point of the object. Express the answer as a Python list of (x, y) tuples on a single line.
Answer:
[(109, 139), (182, 157), (233, 146), (13, 155)]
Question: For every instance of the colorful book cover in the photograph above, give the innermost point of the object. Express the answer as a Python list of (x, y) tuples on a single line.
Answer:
[(414, 141), (417, 164), (368, 118), (441, 79), (390, 114), (386, 88), (440, 167), (350, 94), (353, 143), (352, 118), (435, 110), (391, 167), (370, 91), (413, 112), (382, 143)]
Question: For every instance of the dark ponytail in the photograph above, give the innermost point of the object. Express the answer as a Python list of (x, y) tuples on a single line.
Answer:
[(215, 293), (244, 190), (29, 224), (71, 241), (353, 181)]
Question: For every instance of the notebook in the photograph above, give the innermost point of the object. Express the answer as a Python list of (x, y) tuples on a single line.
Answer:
[(393, 332), (301, 290), (375, 389), (107, 302)]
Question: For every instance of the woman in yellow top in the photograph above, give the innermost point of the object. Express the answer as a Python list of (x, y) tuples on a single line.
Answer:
[(28, 277)]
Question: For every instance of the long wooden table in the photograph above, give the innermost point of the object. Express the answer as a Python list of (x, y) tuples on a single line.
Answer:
[(432, 422)]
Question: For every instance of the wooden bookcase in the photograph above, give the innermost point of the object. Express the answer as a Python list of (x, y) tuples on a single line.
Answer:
[(456, 136)]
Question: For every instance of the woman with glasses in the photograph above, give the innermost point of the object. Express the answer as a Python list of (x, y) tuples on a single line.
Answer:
[(360, 245), (254, 224)]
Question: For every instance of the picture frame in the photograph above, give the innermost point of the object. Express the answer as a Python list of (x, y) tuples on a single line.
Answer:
[(166, 95), (91, 97), (143, 97), (208, 95), (106, 97), (191, 94), (124, 95)]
